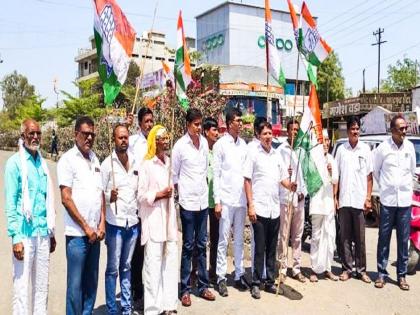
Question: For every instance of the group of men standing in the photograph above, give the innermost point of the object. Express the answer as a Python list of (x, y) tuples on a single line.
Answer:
[(128, 200)]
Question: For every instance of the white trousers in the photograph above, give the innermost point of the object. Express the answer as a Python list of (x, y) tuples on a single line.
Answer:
[(160, 277), (30, 276), (231, 216), (322, 242)]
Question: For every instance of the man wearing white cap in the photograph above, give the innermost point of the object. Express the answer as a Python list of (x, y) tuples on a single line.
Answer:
[(323, 224)]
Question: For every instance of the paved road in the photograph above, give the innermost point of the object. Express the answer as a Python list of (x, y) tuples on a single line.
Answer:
[(324, 297)]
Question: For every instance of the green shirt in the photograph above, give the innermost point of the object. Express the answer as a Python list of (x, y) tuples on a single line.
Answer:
[(17, 226), (210, 180)]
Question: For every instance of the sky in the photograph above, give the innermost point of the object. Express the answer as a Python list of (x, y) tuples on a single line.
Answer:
[(41, 38)]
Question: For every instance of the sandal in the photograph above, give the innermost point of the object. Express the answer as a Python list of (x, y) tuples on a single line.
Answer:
[(313, 277), (380, 283), (300, 277), (345, 276), (402, 283), (365, 278), (330, 275)]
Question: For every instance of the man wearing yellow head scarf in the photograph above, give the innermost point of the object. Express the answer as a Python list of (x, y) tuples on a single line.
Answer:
[(159, 227)]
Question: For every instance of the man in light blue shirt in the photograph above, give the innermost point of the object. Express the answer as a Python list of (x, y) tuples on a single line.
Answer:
[(30, 221)]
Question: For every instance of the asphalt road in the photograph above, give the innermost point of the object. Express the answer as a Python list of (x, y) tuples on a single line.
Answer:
[(324, 297)]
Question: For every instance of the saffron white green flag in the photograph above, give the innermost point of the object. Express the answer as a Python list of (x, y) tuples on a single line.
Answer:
[(182, 69), (308, 144), (272, 56), (114, 38), (314, 48)]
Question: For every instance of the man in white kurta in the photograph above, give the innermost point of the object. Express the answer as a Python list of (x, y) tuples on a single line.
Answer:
[(322, 210), (229, 155), (159, 228)]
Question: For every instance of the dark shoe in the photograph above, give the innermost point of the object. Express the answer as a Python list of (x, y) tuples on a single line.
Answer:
[(242, 284), (207, 295), (380, 282), (222, 288), (255, 292), (270, 288), (402, 283), (186, 300)]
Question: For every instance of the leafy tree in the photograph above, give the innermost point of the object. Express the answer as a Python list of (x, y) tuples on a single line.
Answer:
[(401, 77), (132, 74), (330, 79), (15, 90), (90, 102)]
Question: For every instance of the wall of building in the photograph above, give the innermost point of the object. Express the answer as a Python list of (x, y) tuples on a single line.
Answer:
[(242, 26)]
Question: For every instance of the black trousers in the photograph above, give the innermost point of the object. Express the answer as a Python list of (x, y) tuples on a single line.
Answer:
[(137, 269), (352, 229), (214, 240), (266, 233)]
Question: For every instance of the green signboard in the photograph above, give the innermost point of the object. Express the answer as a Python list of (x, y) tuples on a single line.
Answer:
[(213, 42), (281, 44)]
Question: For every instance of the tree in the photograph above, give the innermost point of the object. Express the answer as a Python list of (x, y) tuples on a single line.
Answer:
[(330, 79), (15, 89), (401, 77)]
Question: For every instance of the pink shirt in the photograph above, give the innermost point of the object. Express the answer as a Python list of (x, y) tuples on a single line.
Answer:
[(157, 224)]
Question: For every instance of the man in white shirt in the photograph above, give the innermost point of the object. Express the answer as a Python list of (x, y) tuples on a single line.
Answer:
[(229, 155), (138, 148), (80, 181), (354, 161), (291, 202), (189, 167), (322, 210), (394, 166), (120, 181), (263, 173)]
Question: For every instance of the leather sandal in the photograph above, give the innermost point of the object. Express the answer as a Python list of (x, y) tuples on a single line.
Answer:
[(313, 277), (345, 276), (402, 283), (365, 278), (380, 283), (331, 276), (300, 277)]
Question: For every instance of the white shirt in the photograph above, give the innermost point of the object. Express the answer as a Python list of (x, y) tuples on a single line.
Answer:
[(354, 165), (157, 224), (228, 182), (125, 213), (189, 168), (83, 176), (265, 172), (394, 169), (284, 153), (323, 201), (138, 146)]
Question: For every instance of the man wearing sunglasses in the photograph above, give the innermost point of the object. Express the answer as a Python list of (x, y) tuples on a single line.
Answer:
[(30, 221), (394, 166), (80, 181)]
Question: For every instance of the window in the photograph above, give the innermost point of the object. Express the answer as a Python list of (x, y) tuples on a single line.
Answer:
[(160, 58), (86, 65)]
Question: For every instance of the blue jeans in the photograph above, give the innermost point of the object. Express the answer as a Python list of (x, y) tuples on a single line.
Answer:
[(194, 234), (400, 218), (120, 242), (82, 275)]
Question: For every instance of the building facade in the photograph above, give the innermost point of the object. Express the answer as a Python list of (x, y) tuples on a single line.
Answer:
[(150, 49), (233, 34)]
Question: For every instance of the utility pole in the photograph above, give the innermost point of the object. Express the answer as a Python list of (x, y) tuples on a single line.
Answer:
[(379, 42), (364, 84)]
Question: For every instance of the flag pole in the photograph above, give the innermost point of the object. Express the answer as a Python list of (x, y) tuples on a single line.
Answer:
[(133, 109), (112, 162)]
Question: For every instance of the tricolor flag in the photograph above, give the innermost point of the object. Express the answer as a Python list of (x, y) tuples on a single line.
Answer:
[(309, 142), (167, 73), (297, 30), (114, 38), (272, 56), (182, 69), (314, 48)]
